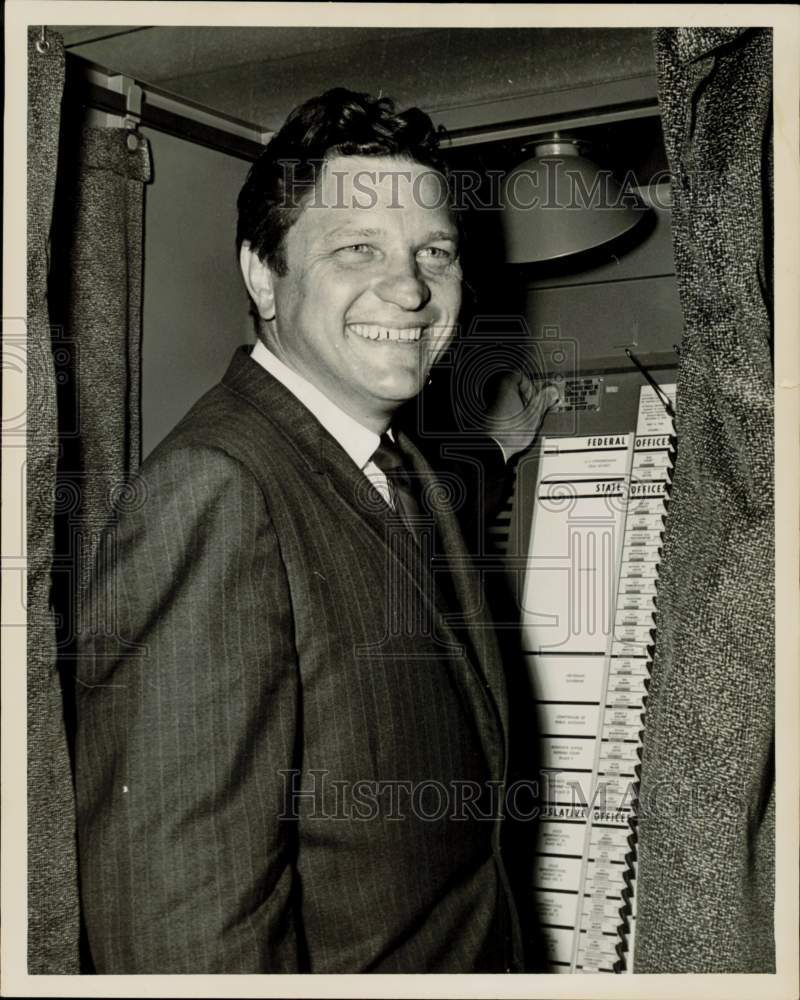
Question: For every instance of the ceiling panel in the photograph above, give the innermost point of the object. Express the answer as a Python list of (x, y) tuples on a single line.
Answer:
[(260, 74), (156, 53)]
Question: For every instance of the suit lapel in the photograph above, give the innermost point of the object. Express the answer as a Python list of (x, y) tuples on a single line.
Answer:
[(477, 623), (355, 491), (318, 450), (324, 456)]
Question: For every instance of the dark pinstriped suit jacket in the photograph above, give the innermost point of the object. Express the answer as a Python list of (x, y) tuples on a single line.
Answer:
[(270, 627)]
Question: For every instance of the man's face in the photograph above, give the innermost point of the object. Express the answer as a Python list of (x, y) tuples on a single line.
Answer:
[(373, 287)]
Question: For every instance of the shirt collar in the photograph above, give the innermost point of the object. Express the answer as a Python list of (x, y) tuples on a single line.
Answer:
[(357, 440)]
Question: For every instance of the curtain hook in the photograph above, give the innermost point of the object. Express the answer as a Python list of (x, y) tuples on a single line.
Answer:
[(42, 44)]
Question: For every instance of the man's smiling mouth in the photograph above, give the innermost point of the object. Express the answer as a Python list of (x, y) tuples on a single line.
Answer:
[(373, 331)]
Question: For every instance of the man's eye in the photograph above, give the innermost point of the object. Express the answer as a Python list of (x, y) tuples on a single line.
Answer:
[(356, 248), (437, 254)]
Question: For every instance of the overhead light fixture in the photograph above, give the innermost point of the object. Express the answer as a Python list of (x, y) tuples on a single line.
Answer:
[(558, 203)]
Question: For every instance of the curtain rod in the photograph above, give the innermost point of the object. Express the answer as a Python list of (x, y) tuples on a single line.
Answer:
[(114, 93), (545, 124)]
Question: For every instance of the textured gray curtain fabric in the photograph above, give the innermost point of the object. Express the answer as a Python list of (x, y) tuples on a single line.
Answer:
[(52, 880), (85, 217), (706, 876), (95, 299), (95, 293)]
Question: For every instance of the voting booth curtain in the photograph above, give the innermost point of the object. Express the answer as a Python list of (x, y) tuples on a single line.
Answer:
[(706, 823), (85, 208)]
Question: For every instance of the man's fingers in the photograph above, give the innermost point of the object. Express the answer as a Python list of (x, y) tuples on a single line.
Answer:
[(550, 396), (540, 401)]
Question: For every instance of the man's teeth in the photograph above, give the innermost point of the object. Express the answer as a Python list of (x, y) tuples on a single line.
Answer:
[(370, 331)]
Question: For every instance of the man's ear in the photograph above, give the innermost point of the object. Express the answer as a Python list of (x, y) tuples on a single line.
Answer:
[(258, 279)]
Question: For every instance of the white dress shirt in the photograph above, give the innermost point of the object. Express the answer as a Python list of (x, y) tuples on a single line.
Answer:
[(357, 440)]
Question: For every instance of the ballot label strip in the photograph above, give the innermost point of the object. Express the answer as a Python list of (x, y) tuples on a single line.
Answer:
[(568, 622), (587, 628), (634, 628)]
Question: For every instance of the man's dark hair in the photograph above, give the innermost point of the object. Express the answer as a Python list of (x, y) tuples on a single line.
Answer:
[(338, 123)]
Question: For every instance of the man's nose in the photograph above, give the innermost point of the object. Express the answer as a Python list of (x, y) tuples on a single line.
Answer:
[(403, 285)]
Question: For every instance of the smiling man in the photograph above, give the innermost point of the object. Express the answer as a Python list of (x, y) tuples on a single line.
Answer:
[(293, 732), (369, 293)]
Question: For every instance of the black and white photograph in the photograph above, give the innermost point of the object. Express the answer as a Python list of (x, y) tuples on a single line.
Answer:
[(400, 500)]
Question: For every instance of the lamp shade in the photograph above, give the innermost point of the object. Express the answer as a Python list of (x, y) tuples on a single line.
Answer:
[(559, 203)]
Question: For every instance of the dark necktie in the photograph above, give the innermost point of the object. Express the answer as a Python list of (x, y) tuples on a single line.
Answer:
[(432, 574), (401, 479), (392, 463)]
